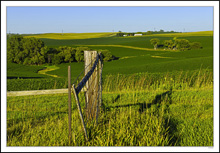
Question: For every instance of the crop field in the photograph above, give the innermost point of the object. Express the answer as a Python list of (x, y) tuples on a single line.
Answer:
[(70, 35), (150, 97)]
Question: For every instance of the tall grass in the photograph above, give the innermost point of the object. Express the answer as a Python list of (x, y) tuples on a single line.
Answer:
[(173, 109), (160, 81)]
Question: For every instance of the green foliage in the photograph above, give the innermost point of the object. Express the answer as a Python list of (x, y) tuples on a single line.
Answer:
[(178, 44), (66, 54), (182, 44), (155, 42), (56, 59), (106, 55), (26, 50), (168, 44), (195, 45), (80, 53)]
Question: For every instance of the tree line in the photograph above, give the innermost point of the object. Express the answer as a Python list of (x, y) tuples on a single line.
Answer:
[(175, 44), (121, 34), (33, 51)]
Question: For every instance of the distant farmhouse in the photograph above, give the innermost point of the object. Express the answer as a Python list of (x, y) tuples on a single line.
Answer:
[(137, 34)]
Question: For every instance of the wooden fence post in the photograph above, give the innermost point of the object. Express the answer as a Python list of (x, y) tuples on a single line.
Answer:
[(69, 101), (100, 87), (91, 84)]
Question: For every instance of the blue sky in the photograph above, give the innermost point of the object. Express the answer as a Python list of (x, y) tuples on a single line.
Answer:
[(106, 19)]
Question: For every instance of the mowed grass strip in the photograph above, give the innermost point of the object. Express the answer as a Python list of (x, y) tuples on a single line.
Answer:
[(132, 47), (49, 68)]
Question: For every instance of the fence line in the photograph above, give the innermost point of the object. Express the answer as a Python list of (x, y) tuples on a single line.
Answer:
[(91, 84)]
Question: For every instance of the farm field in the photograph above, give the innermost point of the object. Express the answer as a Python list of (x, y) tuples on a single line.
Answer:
[(150, 97), (69, 35), (136, 55)]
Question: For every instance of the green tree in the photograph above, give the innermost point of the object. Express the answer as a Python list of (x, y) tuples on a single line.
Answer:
[(14, 46), (168, 44), (106, 55), (19, 48), (67, 54), (80, 53), (32, 48), (155, 42), (56, 59), (182, 44), (195, 45)]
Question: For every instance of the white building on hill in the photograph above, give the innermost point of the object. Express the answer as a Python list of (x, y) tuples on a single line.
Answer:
[(137, 34)]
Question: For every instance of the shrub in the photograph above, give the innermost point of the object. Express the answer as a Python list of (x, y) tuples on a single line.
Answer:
[(168, 44), (155, 42), (182, 44), (79, 56), (106, 55), (56, 60), (195, 45)]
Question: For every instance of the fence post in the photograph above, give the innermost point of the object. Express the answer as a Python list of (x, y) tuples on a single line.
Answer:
[(100, 87), (69, 101), (91, 85)]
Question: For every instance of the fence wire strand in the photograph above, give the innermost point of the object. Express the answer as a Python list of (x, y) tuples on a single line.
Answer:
[(74, 82)]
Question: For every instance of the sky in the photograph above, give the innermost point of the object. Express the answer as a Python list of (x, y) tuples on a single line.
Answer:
[(107, 19)]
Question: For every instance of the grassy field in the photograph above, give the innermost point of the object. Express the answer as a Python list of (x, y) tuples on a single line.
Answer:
[(174, 111), (150, 97)]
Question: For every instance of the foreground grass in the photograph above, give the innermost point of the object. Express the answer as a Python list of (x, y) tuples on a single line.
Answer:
[(165, 112), (160, 118)]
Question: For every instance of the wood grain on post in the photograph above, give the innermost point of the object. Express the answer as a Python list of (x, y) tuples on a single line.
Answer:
[(100, 88), (69, 101), (91, 84)]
